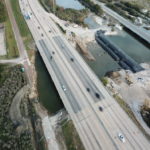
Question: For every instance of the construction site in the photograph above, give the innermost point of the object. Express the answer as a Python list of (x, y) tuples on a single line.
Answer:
[(132, 89)]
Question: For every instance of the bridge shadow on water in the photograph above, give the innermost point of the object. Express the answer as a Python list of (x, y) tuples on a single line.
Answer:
[(48, 95), (145, 43)]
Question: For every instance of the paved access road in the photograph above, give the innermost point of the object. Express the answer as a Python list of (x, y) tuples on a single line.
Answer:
[(137, 30), (80, 90)]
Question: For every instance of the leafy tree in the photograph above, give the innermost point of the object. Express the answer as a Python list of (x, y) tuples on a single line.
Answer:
[(2, 12)]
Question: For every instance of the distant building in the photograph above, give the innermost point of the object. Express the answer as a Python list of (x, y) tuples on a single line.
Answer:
[(144, 11)]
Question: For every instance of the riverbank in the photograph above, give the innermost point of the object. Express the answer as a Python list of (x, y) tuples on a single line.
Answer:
[(79, 36), (68, 14)]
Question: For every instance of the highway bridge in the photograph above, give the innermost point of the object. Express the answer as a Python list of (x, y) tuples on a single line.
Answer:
[(80, 89), (141, 32)]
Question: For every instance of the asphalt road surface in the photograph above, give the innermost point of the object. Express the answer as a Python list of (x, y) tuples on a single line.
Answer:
[(79, 88)]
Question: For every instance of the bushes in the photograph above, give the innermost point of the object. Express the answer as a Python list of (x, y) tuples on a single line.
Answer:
[(104, 81), (120, 11), (132, 6), (93, 7), (68, 14), (128, 10), (9, 139), (3, 73), (72, 15)]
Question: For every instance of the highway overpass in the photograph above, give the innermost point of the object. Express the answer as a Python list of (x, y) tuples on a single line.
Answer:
[(79, 88), (141, 32)]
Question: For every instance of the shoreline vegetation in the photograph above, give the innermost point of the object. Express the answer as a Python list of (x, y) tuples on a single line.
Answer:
[(72, 15), (67, 14), (129, 10), (93, 7)]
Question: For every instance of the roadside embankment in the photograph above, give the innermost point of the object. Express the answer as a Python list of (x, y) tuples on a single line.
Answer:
[(131, 90)]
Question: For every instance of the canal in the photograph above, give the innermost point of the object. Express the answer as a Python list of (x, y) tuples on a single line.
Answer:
[(104, 63), (48, 95)]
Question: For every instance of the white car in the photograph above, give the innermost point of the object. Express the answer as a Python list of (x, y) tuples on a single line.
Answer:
[(121, 137), (63, 87)]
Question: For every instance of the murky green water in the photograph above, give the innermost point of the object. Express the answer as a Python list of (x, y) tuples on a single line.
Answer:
[(132, 47), (48, 94), (104, 63)]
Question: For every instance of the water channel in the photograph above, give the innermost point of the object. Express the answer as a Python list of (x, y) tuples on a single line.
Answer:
[(70, 4), (47, 92)]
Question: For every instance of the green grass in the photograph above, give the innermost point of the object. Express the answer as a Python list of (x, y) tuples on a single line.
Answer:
[(71, 137), (2, 12), (12, 50), (104, 80), (11, 46), (24, 30)]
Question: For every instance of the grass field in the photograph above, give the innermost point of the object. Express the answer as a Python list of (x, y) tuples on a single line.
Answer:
[(71, 137), (11, 46), (24, 30), (12, 50)]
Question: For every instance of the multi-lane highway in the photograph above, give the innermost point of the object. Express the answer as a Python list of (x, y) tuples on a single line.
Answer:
[(141, 32), (80, 90)]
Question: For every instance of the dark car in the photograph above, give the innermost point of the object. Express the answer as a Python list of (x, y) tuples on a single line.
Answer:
[(72, 59), (97, 95), (100, 108), (88, 89)]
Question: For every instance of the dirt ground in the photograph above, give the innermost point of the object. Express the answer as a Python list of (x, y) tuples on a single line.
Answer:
[(133, 88)]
